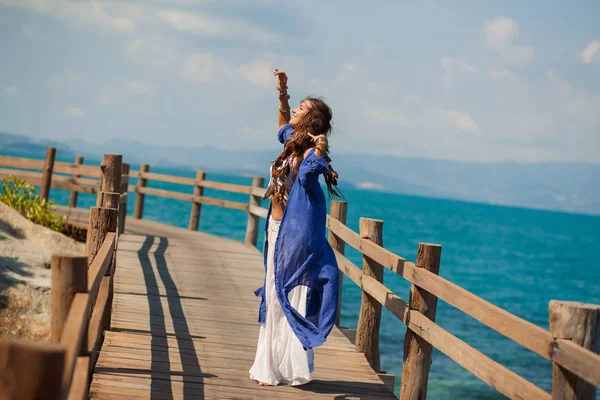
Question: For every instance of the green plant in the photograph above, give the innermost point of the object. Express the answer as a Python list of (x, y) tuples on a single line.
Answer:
[(21, 196)]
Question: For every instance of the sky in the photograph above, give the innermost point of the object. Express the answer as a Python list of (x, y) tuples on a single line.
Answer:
[(463, 80)]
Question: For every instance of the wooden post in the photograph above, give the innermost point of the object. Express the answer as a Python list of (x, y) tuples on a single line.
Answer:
[(69, 276), (29, 370), (196, 207), (367, 331), (47, 173), (111, 167), (253, 220), (123, 199), (417, 352), (139, 197), (74, 193), (579, 323), (338, 210), (102, 221)]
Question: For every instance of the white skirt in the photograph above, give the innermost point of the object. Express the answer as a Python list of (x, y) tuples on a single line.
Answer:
[(280, 357)]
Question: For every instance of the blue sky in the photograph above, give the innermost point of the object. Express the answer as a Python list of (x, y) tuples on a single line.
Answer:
[(462, 80)]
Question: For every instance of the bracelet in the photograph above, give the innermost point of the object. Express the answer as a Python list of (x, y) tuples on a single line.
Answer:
[(284, 110)]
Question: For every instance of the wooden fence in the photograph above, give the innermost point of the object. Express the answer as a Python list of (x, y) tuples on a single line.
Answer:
[(571, 344), (81, 297)]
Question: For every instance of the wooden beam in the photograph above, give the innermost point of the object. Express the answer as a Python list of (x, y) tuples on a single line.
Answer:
[(253, 220), (29, 370), (367, 331), (138, 213), (74, 193), (47, 173), (111, 167), (580, 324), (123, 203), (196, 207), (417, 352), (69, 276), (338, 211)]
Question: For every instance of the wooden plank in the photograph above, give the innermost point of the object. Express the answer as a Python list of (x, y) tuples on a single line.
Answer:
[(77, 180), (20, 173), (73, 335), (79, 385), (578, 360), (259, 192), (167, 178), (101, 262), (165, 193), (72, 187), (30, 370), (95, 326), (221, 203), (579, 323), (417, 352), (201, 330), (18, 162), (227, 187), (259, 211), (75, 169), (369, 319)]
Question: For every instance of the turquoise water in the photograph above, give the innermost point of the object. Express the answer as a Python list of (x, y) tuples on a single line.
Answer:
[(518, 259)]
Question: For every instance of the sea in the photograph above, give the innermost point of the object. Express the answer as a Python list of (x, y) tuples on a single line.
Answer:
[(516, 258)]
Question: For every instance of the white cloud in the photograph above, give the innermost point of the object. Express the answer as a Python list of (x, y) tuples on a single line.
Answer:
[(500, 35), (104, 100), (216, 27), (11, 90), (388, 117), (87, 13), (453, 67), (256, 72), (66, 78), (461, 121), (28, 30), (199, 68), (157, 52), (140, 87), (74, 112), (369, 185), (591, 53), (206, 68), (501, 73)]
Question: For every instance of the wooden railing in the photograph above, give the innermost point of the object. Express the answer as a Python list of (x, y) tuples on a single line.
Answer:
[(77, 178), (576, 366), (81, 303), (571, 344)]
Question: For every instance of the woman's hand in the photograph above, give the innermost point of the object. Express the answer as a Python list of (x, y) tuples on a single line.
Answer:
[(321, 144), (282, 78), (283, 116)]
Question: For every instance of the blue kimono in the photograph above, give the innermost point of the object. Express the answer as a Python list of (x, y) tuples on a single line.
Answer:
[(303, 256)]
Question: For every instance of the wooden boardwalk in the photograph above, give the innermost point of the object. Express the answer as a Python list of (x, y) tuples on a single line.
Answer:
[(184, 325), (184, 315)]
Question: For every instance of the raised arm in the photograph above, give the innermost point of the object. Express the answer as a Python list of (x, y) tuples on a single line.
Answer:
[(283, 114)]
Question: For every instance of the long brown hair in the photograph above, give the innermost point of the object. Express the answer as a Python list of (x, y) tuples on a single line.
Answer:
[(317, 121)]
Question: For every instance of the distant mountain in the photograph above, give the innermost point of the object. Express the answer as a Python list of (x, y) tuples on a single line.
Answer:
[(570, 187)]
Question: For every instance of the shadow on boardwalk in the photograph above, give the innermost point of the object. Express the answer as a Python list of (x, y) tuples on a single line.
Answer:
[(160, 363)]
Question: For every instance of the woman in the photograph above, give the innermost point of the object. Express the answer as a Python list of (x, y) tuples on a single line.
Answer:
[(300, 292)]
